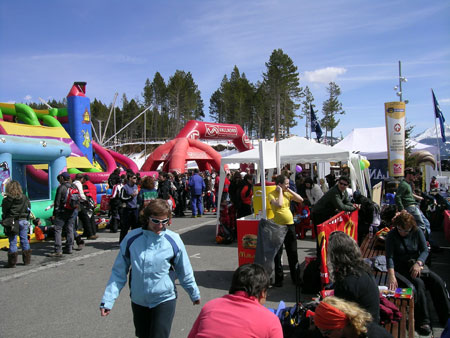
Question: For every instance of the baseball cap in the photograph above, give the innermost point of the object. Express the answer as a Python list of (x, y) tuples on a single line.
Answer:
[(65, 175)]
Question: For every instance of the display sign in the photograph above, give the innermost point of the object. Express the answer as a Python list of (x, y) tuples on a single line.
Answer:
[(247, 238), (395, 134), (346, 222)]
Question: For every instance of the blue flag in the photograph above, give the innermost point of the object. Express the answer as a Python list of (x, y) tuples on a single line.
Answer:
[(315, 126), (438, 114)]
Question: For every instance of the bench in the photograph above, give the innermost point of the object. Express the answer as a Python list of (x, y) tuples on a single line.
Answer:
[(406, 306)]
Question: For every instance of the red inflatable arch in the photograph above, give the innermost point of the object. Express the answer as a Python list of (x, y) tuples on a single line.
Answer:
[(185, 147)]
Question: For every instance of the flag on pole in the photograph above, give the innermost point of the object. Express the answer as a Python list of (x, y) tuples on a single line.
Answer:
[(438, 114), (315, 126)]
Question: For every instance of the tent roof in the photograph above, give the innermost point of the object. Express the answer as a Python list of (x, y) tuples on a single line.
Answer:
[(294, 150), (372, 143)]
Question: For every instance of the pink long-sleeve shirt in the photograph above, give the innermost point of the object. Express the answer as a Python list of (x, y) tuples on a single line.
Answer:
[(236, 315)]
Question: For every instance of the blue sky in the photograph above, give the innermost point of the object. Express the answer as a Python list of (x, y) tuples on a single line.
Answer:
[(116, 45)]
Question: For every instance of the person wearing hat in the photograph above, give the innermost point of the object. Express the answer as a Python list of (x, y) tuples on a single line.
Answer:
[(406, 200), (338, 318)]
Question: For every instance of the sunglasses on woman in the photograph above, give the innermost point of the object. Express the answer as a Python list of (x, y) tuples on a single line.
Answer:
[(162, 221)]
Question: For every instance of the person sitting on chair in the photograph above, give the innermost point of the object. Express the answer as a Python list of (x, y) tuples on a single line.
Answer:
[(406, 254)]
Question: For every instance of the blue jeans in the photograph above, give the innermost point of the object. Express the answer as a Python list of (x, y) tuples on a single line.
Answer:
[(417, 214), (64, 220), (197, 202), (23, 232), (426, 222)]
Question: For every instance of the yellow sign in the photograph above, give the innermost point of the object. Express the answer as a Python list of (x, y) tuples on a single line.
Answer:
[(395, 115)]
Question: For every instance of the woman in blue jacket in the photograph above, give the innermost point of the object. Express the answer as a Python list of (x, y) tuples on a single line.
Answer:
[(150, 252)]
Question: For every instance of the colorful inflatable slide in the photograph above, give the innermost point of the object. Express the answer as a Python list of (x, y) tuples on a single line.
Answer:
[(37, 145)]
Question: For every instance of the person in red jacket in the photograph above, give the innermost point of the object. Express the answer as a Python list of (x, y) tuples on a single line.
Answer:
[(90, 190), (434, 184)]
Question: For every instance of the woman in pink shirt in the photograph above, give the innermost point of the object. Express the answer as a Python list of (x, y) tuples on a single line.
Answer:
[(240, 313)]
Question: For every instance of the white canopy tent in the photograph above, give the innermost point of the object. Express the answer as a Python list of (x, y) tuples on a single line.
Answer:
[(296, 150), (372, 143)]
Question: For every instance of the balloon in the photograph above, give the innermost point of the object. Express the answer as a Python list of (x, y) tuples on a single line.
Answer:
[(298, 168), (366, 163), (362, 165)]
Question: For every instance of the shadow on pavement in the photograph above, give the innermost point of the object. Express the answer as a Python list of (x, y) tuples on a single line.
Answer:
[(214, 279)]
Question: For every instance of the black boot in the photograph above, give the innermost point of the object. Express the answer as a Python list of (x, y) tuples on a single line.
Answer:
[(26, 255), (12, 259), (80, 243)]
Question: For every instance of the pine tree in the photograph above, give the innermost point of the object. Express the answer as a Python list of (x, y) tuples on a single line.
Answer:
[(99, 112), (330, 108), (184, 100), (217, 107), (307, 102), (233, 101), (283, 84), (263, 111), (159, 89)]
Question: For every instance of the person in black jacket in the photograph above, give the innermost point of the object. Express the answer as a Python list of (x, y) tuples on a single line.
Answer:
[(406, 254), (64, 218), (164, 186), (16, 205), (353, 279), (180, 185)]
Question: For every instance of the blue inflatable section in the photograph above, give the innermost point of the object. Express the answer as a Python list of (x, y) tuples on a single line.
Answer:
[(79, 113)]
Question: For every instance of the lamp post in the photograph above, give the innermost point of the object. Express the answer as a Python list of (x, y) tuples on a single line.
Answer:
[(400, 80)]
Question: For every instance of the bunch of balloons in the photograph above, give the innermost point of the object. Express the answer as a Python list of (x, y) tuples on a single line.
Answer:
[(364, 164)]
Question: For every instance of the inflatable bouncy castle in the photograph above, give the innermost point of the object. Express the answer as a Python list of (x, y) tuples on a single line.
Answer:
[(186, 147)]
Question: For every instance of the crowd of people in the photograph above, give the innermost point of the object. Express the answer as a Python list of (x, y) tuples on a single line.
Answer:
[(142, 208)]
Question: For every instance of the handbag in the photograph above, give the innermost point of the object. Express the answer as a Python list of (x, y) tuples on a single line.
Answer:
[(11, 226)]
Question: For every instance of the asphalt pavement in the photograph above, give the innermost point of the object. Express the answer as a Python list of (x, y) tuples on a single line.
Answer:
[(60, 297)]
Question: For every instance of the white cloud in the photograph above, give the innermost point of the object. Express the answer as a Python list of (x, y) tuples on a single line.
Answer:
[(324, 75), (28, 98), (444, 101)]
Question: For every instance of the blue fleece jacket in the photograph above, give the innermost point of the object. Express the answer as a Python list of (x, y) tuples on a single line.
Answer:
[(149, 259)]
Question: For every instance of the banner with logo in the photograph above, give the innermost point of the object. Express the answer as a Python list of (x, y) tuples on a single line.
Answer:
[(247, 238), (346, 222), (395, 134)]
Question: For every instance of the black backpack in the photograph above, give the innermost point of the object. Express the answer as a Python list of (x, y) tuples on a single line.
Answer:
[(311, 278)]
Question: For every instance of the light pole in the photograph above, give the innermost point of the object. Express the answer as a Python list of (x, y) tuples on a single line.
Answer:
[(400, 80)]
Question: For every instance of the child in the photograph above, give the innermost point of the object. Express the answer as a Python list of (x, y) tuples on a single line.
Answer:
[(304, 219)]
